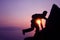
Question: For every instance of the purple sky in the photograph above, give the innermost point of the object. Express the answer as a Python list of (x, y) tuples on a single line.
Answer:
[(19, 12)]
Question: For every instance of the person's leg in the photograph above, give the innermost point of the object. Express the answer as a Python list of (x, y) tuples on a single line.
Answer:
[(28, 30), (36, 32), (37, 28)]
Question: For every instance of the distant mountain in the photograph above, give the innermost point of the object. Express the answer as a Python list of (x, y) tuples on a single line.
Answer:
[(11, 33), (9, 28)]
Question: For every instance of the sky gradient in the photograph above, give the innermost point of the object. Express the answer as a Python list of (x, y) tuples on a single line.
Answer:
[(18, 12)]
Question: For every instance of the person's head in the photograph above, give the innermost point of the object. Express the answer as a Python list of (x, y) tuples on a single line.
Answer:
[(44, 13)]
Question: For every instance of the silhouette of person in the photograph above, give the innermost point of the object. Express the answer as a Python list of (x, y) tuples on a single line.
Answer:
[(33, 23)]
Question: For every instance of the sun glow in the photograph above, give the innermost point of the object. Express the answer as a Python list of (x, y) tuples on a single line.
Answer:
[(39, 22), (44, 23)]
